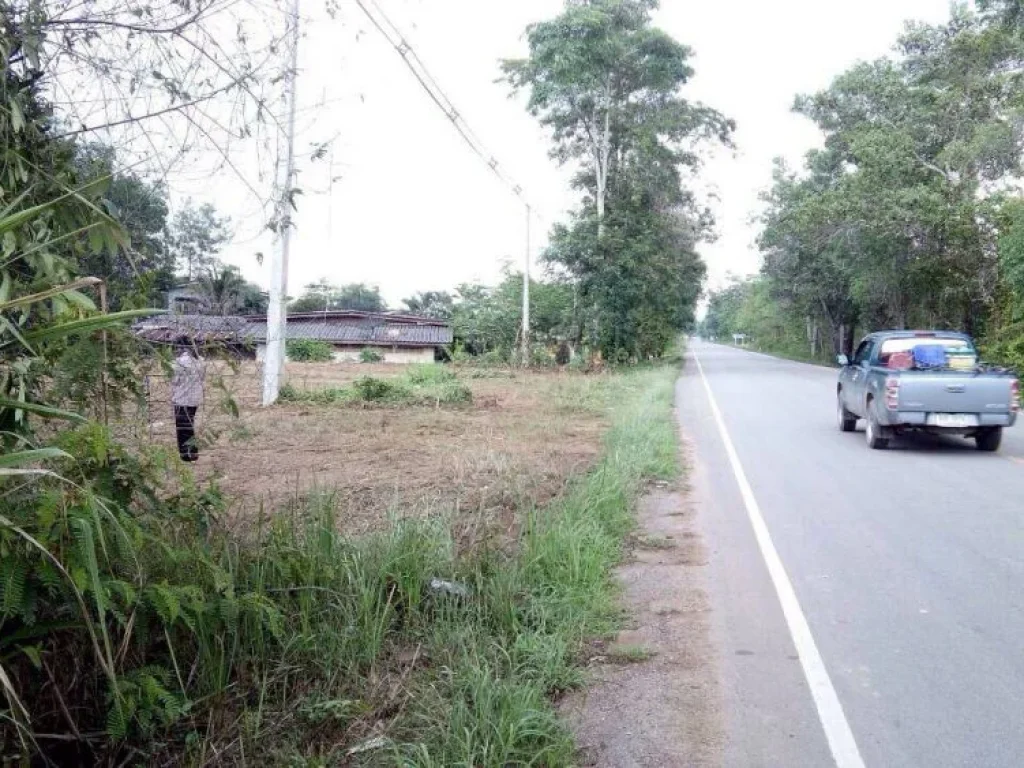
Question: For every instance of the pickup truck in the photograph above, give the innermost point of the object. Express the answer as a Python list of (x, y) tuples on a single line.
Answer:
[(900, 381)]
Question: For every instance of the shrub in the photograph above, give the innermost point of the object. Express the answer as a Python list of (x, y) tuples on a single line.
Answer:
[(309, 351), (370, 355), (374, 390), (452, 392), (429, 373)]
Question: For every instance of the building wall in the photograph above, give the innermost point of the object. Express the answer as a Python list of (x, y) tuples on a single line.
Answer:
[(401, 356)]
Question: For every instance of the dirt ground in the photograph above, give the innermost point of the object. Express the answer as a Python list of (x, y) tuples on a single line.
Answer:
[(653, 700), (516, 444)]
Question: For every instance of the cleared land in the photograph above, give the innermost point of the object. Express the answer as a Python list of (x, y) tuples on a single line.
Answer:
[(513, 447)]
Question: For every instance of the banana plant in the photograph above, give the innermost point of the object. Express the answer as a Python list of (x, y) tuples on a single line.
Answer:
[(30, 321)]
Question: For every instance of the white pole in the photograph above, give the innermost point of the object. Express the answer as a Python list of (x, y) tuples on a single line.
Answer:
[(273, 361), (526, 295)]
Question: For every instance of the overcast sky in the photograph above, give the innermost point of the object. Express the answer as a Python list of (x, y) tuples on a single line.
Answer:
[(401, 202)]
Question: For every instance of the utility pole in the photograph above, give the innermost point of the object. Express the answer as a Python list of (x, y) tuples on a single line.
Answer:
[(273, 361), (526, 294)]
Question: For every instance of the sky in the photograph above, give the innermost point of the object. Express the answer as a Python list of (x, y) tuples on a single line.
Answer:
[(400, 202)]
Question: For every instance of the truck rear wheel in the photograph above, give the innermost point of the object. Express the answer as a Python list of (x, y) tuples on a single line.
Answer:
[(875, 434), (989, 439)]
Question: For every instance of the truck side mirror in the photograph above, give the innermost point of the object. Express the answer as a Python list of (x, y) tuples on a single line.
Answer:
[(843, 360)]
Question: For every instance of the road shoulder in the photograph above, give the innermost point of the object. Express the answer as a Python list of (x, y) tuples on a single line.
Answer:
[(654, 698)]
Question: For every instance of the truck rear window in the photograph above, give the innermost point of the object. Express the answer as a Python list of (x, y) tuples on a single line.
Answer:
[(898, 353)]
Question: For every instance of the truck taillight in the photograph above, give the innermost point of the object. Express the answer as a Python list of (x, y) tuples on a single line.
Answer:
[(1015, 395), (892, 393)]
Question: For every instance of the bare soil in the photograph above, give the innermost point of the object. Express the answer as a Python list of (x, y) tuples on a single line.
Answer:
[(524, 434), (654, 699)]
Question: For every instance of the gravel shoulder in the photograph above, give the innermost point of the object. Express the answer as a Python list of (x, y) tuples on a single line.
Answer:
[(654, 697)]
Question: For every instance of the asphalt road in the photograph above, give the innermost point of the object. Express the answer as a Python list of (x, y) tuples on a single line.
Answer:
[(908, 565)]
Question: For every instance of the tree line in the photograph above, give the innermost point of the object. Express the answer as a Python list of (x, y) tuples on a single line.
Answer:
[(910, 214)]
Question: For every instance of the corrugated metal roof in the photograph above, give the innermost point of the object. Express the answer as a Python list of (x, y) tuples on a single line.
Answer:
[(199, 328), (371, 330), (353, 328)]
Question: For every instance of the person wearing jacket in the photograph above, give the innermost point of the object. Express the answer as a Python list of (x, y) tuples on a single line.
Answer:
[(187, 379)]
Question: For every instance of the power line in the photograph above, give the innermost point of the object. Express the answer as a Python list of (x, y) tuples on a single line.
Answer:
[(405, 49)]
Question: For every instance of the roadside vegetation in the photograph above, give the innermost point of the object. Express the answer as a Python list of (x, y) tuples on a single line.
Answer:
[(423, 582), (149, 628), (909, 215)]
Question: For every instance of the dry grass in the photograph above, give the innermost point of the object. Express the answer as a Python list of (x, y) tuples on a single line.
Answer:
[(515, 446)]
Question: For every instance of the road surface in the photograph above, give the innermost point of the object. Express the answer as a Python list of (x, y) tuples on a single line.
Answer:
[(907, 564)]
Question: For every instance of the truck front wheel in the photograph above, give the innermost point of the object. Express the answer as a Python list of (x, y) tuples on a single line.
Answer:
[(989, 439)]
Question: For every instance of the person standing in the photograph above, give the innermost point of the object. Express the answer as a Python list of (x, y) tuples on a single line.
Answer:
[(187, 379)]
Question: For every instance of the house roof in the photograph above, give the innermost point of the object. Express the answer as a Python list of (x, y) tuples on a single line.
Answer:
[(362, 329), (347, 327), (199, 328)]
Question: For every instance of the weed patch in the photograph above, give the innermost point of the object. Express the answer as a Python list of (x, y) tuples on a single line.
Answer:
[(420, 385)]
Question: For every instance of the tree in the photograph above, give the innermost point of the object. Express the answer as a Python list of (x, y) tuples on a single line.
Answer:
[(228, 293), (196, 238), (141, 273), (323, 296), (893, 223), (604, 80), (608, 84), (437, 304)]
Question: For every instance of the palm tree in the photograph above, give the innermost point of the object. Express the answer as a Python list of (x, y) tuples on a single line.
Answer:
[(223, 289)]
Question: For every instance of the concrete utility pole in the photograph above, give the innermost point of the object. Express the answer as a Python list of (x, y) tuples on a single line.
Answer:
[(273, 361), (526, 294)]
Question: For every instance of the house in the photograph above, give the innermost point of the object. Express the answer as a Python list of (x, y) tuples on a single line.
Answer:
[(187, 299), (398, 337)]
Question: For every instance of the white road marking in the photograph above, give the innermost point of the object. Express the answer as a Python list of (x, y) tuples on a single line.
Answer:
[(830, 711)]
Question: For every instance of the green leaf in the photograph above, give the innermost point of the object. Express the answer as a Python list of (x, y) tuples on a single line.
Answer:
[(89, 324), (80, 300), (41, 410), (10, 242), (33, 298), (16, 333), (32, 651), (20, 458), (17, 116)]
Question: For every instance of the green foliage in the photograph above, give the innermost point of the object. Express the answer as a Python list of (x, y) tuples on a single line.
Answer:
[(226, 292), (437, 304), (431, 385), (370, 355), (894, 222), (197, 235), (324, 297), (374, 390), (607, 83), (487, 321), (309, 351), (429, 373)]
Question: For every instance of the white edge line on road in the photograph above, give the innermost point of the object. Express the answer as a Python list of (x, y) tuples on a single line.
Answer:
[(830, 710)]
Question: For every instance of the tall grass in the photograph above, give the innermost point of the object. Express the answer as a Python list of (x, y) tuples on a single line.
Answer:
[(297, 645)]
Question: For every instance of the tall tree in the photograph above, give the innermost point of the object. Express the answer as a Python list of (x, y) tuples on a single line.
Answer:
[(605, 81), (196, 238), (608, 85)]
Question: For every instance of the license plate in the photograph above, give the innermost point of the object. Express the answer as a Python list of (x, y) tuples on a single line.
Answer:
[(953, 420)]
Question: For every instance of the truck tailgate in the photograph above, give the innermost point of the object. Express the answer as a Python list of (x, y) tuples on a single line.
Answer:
[(954, 392)]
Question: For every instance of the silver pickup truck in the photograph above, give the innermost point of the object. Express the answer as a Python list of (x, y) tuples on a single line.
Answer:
[(900, 381)]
